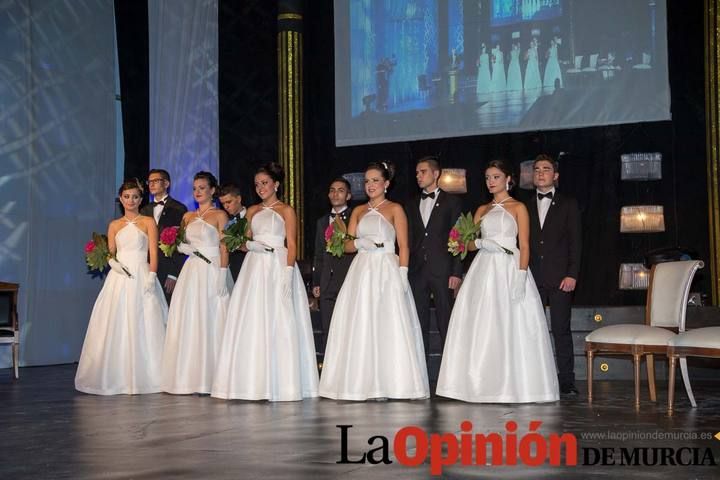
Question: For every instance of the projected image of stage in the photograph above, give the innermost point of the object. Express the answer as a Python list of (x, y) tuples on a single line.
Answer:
[(412, 69)]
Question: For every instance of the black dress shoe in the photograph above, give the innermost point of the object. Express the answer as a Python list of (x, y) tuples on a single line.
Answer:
[(569, 389)]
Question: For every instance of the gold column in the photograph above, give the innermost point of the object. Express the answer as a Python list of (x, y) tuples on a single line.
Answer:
[(712, 114), (290, 106)]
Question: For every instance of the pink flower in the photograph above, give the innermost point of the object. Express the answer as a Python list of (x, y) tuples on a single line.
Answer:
[(329, 232), (461, 247), (454, 234), (169, 235), (89, 246)]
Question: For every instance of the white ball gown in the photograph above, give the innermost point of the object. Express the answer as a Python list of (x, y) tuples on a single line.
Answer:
[(197, 316), (497, 350), (532, 70), (268, 350), (375, 345), (514, 78), (482, 82), (497, 80), (124, 341), (552, 69)]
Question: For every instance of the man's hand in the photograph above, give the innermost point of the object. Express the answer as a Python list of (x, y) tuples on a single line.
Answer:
[(454, 282), (316, 292), (568, 284), (170, 285)]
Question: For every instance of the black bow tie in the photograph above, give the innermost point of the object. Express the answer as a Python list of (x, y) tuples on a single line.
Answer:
[(545, 195), (424, 195), (335, 214), (161, 202)]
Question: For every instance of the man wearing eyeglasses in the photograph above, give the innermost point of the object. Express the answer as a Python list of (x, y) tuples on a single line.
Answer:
[(167, 212)]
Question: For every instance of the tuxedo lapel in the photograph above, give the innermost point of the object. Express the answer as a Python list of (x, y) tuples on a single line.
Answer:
[(534, 216), (554, 205), (435, 212)]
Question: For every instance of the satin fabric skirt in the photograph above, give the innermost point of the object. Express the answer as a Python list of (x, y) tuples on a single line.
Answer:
[(375, 344)]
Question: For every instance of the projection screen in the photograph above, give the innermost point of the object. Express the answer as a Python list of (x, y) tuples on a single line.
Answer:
[(415, 69)]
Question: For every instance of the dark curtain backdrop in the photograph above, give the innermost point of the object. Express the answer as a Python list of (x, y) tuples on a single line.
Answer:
[(131, 24), (590, 169)]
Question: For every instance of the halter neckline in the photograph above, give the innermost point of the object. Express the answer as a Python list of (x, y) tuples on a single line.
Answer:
[(269, 207), (132, 222), (494, 203), (201, 215), (375, 208)]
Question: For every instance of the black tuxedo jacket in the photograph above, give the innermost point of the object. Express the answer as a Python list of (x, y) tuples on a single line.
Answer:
[(329, 270), (171, 216), (555, 248), (428, 245)]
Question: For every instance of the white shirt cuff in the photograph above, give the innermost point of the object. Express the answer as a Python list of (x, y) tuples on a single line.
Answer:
[(172, 277)]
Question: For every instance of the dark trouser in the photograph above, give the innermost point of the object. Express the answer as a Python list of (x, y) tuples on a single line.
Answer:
[(560, 312), (328, 295), (423, 284)]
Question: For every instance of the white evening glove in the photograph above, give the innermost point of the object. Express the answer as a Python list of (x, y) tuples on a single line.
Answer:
[(116, 267), (404, 279), (518, 285), (185, 248), (257, 247), (222, 289), (287, 281), (488, 245), (150, 280), (364, 244)]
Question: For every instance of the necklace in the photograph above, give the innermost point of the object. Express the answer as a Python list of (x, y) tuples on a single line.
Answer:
[(375, 207), (271, 205), (129, 220), (200, 215)]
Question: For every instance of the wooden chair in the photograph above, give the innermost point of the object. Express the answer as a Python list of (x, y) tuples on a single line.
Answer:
[(664, 315), (9, 329), (700, 342)]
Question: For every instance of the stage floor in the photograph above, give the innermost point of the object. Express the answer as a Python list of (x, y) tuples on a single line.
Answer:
[(51, 431)]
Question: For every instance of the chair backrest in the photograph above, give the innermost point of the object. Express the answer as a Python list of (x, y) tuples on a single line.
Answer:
[(669, 290), (593, 60)]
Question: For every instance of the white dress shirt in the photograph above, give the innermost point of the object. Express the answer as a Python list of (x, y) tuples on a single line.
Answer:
[(330, 216), (543, 206), (427, 205), (157, 209)]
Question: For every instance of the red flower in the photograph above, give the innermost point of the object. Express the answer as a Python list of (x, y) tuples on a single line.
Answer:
[(329, 232), (89, 246), (454, 234), (169, 235), (461, 247)]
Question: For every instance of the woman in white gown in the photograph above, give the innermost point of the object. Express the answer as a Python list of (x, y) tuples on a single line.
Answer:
[(375, 344), (482, 83), (268, 350), (497, 79), (552, 67), (498, 347), (124, 340), (532, 69), (199, 303), (514, 77)]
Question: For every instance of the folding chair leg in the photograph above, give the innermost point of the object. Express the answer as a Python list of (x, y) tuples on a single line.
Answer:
[(589, 375), (686, 381), (650, 363), (16, 359), (671, 383), (636, 364)]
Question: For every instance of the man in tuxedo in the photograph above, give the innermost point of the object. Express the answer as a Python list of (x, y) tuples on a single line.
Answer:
[(329, 271), (167, 212), (231, 200), (432, 270), (555, 243)]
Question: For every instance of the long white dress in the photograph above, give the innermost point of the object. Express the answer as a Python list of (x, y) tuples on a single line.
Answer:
[(482, 82), (497, 77), (375, 344), (268, 351), (552, 69), (197, 316), (514, 77), (532, 70), (497, 350), (124, 340)]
